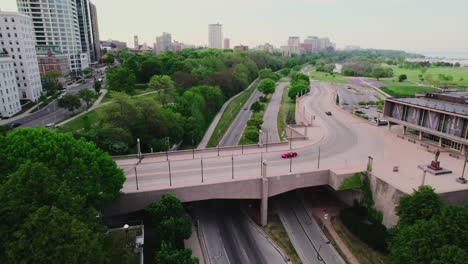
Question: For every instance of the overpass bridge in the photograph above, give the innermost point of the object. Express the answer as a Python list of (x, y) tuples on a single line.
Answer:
[(338, 146)]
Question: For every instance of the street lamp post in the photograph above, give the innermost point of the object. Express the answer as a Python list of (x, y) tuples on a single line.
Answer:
[(290, 138), (267, 140), (125, 227), (167, 150), (201, 162), (136, 177), (139, 148), (232, 165), (318, 160), (170, 174)]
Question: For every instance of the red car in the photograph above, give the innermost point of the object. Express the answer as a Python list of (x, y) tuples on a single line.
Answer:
[(289, 155)]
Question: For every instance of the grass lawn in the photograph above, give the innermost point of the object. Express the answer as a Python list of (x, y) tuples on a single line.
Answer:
[(460, 75), (276, 231), (360, 250), (229, 115), (323, 76), (287, 105), (398, 89), (79, 123)]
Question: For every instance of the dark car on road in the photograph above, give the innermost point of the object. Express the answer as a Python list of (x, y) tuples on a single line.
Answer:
[(290, 154), (15, 125), (328, 113)]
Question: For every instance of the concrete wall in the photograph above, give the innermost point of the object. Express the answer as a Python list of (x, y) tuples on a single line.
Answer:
[(386, 198), (239, 189)]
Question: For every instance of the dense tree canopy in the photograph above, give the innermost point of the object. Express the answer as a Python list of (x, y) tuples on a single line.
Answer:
[(267, 86), (429, 231), (70, 102)]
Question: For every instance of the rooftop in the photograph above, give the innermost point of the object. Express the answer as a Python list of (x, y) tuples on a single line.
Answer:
[(453, 102)]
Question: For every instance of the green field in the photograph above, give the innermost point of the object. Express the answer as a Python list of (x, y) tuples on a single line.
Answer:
[(229, 115), (460, 75), (79, 123), (399, 89), (323, 76)]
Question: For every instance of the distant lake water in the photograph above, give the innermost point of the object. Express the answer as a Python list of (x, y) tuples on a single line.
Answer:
[(445, 54)]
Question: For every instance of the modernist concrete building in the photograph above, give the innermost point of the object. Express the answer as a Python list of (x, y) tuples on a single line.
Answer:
[(215, 36), (227, 43), (63, 23), (439, 117), (17, 39), (9, 97)]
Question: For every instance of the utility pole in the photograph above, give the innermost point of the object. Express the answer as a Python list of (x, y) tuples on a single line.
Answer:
[(167, 150), (290, 137), (290, 164), (318, 160), (136, 177), (267, 140), (201, 161), (232, 165), (139, 148), (261, 162), (170, 174)]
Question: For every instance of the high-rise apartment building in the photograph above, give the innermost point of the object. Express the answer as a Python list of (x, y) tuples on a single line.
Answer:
[(18, 41), (164, 42), (136, 45), (95, 30), (215, 36), (227, 43), (62, 23), (9, 99), (294, 45)]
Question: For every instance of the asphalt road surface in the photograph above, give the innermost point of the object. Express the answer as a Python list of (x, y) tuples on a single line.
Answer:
[(351, 95), (304, 232), (231, 238), (270, 118), (234, 132)]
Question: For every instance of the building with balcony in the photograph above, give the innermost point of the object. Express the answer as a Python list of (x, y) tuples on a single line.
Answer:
[(62, 23), (438, 117), (9, 96), (18, 41)]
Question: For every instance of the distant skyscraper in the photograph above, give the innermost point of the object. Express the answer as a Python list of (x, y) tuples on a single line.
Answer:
[(9, 98), (17, 39), (294, 45), (227, 43), (215, 36), (63, 23), (136, 45), (95, 30), (164, 42)]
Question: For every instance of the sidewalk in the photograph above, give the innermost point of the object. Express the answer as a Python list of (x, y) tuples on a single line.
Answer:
[(95, 105), (331, 212), (194, 244)]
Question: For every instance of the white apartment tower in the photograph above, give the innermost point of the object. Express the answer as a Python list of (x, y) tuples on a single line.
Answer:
[(18, 41), (9, 98), (164, 42), (136, 45), (215, 36), (294, 45), (58, 23)]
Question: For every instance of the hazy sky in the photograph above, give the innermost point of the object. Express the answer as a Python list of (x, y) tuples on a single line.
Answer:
[(412, 25)]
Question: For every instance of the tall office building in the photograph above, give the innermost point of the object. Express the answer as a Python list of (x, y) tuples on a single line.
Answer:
[(227, 43), (136, 45), (61, 23), (164, 42), (84, 22), (9, 99), (17, 39), (215, 36), (294, 45), (95, 29)]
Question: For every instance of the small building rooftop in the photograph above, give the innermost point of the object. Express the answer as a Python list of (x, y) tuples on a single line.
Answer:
[(453, 102)]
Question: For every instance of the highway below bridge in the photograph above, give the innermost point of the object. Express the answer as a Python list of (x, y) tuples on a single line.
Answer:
[(253, 173)]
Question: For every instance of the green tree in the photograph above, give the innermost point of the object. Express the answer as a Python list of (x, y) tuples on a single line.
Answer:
[(267, 86), (50, 82), (265, 73), (285, 71), (87, 96), (161, 82), (108, 58), (300, 76), (170, 219), (378, 72), (87, 171), (170, 255), (402, 77), (255, 122), (257, 107), (251, 134), (97, 86), (70, 102), (296, 89), (120, 79), (421, 205), (51, 235)]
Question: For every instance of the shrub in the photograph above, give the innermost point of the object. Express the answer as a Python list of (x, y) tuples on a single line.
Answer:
[(255, 122)]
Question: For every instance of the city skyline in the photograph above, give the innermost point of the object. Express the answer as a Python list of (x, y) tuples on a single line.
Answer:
[(413, 21)]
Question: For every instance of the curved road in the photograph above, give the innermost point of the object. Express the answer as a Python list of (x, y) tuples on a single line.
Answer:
[(270, 118)]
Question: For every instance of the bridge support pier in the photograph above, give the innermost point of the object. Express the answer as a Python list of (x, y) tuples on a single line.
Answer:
[(264, 203)]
